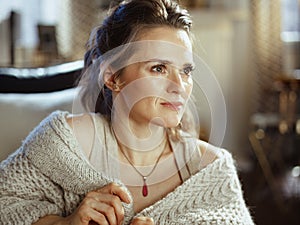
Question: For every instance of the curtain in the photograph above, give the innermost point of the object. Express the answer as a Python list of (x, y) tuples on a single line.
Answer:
[(266, 30)]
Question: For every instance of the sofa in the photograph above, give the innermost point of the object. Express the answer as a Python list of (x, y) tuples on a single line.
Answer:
[(27, 96)]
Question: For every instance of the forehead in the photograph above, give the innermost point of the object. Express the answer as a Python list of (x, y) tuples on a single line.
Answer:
[(176, 36), (163, 43)]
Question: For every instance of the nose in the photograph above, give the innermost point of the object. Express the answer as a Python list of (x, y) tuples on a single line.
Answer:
[(176, 84)]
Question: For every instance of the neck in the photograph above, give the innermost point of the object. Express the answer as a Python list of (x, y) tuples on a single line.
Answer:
[(144, 158), (143, 128)]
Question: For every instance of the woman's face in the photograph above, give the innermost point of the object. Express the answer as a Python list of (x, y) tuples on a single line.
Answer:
[(159, 82)]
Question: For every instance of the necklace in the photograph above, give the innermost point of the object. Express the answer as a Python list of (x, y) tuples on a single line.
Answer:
[(145, 187)]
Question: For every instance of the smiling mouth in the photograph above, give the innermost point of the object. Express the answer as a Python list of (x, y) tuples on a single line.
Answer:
[(175, 106)]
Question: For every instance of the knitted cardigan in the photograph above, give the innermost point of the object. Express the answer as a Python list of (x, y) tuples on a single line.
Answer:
[(48, 174)]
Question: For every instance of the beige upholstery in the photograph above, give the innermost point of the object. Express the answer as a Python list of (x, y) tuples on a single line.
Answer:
[(20, 113)]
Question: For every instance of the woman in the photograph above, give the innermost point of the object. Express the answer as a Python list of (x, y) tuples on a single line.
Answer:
[(132, 159)]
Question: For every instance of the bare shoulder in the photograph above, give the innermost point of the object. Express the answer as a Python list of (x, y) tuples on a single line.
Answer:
[(83, 129), (209, 153)]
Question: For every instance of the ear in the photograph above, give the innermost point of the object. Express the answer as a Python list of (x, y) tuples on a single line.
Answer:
[(109, 78)]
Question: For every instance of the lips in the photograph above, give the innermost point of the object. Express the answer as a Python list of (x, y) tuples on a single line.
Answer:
[(175, 106)]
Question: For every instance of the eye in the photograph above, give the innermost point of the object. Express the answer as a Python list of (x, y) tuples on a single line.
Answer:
[(188, 70), (161, 68)]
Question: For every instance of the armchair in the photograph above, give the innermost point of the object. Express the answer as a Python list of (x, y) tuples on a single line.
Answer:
[(27, 95)]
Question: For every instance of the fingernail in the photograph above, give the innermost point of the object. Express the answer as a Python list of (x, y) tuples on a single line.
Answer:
[(128, 200)]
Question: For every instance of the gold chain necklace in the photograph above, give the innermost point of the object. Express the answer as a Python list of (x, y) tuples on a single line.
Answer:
[(145, 177)]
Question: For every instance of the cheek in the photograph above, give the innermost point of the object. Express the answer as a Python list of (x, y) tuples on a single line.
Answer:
[(150, 102), (145, 105), (188, 89)]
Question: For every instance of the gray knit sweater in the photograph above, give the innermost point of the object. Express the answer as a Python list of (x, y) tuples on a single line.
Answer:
[(48, 174)]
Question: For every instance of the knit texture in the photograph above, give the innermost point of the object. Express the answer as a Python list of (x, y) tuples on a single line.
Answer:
[(49, 174), (212, 196)]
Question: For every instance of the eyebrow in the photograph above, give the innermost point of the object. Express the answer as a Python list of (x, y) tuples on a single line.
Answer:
[(163, 61)]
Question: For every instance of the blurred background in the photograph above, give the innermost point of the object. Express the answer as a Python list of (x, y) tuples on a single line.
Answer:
[(252, 46)]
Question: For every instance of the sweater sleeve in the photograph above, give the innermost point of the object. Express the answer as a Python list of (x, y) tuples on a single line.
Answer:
[(25, 193), (48, 175)]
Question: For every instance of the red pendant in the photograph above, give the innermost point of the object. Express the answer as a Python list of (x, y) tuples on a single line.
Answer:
[(145, 188)]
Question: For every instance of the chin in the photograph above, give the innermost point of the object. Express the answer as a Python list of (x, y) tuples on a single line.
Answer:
[(171, 123), (166, 122)]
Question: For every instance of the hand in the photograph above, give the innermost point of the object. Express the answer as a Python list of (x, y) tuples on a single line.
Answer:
[(102, 206), (142, 221)]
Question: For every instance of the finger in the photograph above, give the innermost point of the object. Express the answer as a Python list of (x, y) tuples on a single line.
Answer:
[(87, 214), (115, 202), (142, 221), (99, 218), (108, 204), (116, 189), (108, 211)]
